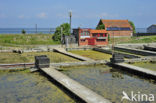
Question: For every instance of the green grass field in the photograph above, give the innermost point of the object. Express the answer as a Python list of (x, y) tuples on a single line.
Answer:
[(92, 54), (27, 39), (29, 57), (141, 39), (46, 39)]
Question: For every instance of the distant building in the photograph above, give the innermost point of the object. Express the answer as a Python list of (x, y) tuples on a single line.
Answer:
[(151, 29), (91, 37), (117, 27)]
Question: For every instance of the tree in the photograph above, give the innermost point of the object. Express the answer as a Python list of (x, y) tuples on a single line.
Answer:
[(23, 31), (66, 31), (108, 37), (101, 26), (133, 26)]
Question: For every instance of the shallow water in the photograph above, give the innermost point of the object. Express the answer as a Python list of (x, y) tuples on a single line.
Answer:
[(20, 87), (110, 83)]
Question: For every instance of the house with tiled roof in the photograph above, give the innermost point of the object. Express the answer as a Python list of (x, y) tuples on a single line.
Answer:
[(117, 28), (151, 29)]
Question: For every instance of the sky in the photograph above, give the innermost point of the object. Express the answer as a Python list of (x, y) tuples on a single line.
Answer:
[(85, 13)]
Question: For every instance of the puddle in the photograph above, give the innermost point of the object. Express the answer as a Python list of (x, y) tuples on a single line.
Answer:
[(19, 87), (110, 83)]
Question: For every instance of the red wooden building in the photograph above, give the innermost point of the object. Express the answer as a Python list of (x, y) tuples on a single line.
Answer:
[(91, 37)]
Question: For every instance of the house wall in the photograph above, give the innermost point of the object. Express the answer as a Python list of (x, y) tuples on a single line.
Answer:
[(120, 33), (151, 29), (101, 43), (90, 36)]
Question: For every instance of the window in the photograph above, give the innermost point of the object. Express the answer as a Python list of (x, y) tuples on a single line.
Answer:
[(101, 35), (94, 35), (83, 40), (100, 40), (84, 33), (87, 33)]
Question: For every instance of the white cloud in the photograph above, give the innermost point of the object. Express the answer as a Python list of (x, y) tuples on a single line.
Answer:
[(42, 15), (21, 16)]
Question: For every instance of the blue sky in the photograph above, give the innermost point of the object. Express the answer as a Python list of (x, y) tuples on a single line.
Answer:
[(86, 13)]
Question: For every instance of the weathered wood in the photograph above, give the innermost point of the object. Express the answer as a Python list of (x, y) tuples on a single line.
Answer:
[(76, 88)]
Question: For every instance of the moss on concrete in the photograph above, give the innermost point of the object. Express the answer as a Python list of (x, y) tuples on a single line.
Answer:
[(147, 65)]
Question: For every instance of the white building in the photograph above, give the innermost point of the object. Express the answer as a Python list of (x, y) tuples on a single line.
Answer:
[(151, 29)]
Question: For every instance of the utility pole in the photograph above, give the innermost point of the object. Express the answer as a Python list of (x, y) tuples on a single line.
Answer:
[(36, 28), (70, 15), (113, 42), (62, 36)]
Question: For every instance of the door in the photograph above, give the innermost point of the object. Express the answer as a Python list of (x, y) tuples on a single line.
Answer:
[(91, 41)]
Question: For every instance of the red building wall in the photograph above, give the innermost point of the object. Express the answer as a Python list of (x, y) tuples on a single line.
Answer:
[(92, 37)]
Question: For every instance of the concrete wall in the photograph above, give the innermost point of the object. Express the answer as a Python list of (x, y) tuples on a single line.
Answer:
[(120, 33), (136, 51), (110, 52)]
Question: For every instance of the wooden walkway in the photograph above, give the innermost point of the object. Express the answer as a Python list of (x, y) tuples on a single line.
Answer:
[(85, 63), (74, 87)]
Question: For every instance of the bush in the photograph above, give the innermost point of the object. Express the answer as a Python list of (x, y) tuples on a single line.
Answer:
[(23, 31), (108, 37), (133, 26)]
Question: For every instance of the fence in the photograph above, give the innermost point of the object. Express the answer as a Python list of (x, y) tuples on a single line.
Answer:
[(143, 32)]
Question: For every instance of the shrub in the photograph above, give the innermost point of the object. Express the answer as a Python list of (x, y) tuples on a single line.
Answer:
[(65, 31), (101, 26), (23, 31), (133, 26)]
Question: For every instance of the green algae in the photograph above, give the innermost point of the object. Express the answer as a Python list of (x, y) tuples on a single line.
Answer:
[(21, 70), (26, 87), (110, 82), (29, 57), (93, 54), (147, 65)]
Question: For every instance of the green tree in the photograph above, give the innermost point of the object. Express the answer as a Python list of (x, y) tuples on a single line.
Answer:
[(133, 26), (66, 31), (23, 31), (101, 26), (108, 37)]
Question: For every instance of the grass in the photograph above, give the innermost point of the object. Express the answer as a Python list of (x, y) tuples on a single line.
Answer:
[(92, 54), (141, 39), (46, 39), (29, 57), (27, 39), (21, 70), (147, 65)]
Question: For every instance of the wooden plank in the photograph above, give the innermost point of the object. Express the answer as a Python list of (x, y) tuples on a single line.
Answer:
[(79, 90)]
